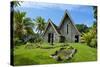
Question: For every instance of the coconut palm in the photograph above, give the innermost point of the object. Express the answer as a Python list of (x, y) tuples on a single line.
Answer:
[(15, 4), (14, 13), (22, 24), (40, 24)]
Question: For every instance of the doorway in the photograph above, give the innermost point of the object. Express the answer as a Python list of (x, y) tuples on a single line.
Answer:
[(76, 38), (50, 37)]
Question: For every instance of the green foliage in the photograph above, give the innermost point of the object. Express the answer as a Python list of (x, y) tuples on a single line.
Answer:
[(90, 37), (93, 43), (16, 3), (15, 41), (40, 24), (38, 40), (22, 25), (29, 45), (82, 28), (87, 37)]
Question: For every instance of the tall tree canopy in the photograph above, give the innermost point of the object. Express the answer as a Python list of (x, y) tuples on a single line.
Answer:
[(91, 37), (22, 24), (82, 28)]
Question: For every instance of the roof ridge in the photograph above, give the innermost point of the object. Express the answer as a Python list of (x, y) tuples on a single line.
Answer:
[(67, 13), (53, 25)]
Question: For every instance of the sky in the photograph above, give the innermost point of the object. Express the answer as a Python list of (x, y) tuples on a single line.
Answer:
[(80, 14)]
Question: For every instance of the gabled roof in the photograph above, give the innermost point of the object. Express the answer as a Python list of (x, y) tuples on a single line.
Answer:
[(67, 14), (53, 26)]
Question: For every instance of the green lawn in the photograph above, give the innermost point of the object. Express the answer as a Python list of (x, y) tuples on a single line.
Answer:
[(31, 56)]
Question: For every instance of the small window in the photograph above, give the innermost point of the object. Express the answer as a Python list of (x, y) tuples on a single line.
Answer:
[(67, 28)]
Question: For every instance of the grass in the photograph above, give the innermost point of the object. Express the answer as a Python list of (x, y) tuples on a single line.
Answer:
[(84, 53), (31, 56)]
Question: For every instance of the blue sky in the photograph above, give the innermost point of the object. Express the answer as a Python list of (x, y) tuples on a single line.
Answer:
[(80, 14)]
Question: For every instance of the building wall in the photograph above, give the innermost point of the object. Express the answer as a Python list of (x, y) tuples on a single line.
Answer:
[(51, 30), (70, 37), (74, 32)]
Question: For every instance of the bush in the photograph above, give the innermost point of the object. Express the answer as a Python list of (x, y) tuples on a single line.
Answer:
[(32, 40), (87, 37), (90, 38), (93, 43), (17, 42)]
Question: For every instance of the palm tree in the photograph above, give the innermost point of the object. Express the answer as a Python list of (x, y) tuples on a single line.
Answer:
[(22, 24), (40, 24), (15, 4)]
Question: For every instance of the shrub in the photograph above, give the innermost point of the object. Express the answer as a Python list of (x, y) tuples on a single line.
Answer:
[(90, 38), (70, 47), (17, 42), (93, 43), (62, 49), (29, 45), (87, 37)]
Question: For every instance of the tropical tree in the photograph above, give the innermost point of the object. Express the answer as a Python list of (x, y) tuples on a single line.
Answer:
[(22, 25), (82, 28), (91, 37), (15, 4), (40, 24)]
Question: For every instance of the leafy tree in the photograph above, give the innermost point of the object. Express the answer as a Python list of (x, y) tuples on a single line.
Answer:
[(88, 36), (82, 28), (91, 37)]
